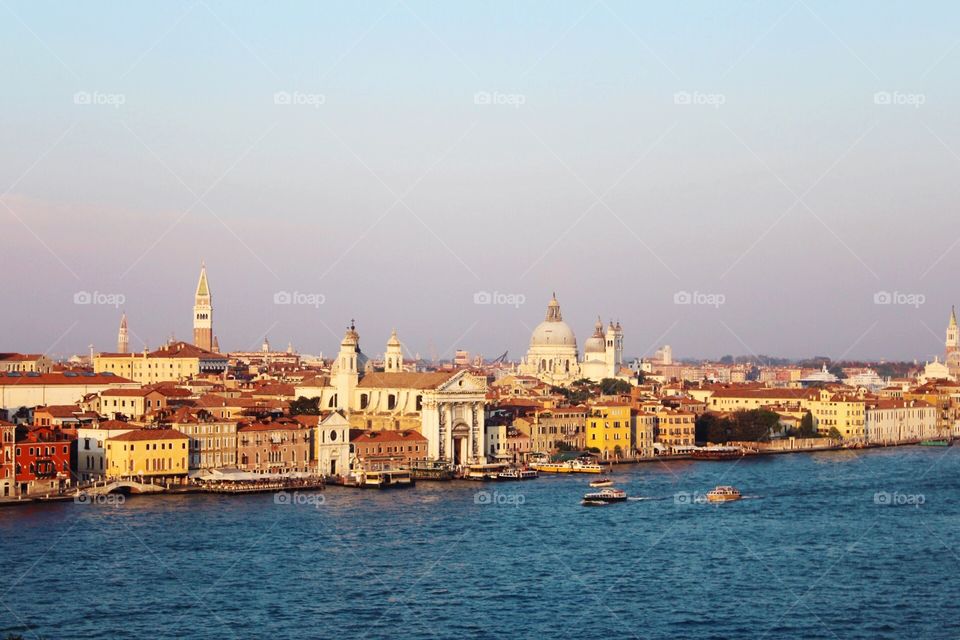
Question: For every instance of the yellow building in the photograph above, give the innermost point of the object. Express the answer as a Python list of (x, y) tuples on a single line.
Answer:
[(148, 453), (676, 429), (172, 362), (844, 412), (609, 429)]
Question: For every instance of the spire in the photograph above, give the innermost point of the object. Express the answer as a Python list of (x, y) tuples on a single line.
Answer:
[(953, 316), (202, 288), (123, 338), (553, 310)]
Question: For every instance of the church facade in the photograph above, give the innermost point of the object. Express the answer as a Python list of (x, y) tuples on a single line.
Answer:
[(553, 356), (446, 407)]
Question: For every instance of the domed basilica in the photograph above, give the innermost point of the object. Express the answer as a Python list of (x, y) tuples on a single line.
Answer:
[(553, 356)]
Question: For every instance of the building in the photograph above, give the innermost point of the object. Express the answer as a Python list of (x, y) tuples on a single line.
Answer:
[(332, 441), (213, 441), (175, 361), (8, 434), (123, 338), (203, 313), (609, 429), (42, 460), (675, 429), (379, 450), (840, 410), (91, 459), (148, 455), (644, 433), (603, 352), (66, 416), (34, 389), (25, 363), (134, 404), (899, 421), (280, 446), (446, 407), (952, 345)]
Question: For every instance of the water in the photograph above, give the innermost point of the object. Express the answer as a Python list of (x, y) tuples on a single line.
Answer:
[(808, 554)]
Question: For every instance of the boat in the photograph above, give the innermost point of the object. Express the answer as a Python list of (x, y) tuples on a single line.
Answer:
[(387, 479), (483, 472), (935, 443), (528, 474), (724, 493), (606, 496), (718, 453), (570, 466), (509, 474), (602, 482)]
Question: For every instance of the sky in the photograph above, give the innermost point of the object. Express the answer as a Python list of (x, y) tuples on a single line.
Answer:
[(728, 178)]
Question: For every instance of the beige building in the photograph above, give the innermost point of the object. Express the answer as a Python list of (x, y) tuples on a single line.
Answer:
[(36, 389), (213, 441), (174, 362)]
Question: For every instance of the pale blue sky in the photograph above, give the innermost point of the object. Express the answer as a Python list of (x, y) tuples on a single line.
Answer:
[(199, 162)]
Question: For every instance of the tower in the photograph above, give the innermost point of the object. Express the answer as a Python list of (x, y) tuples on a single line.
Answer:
[(346, 371), (953, 333), (123, 339), (203, 313), (393, 359), (613, 342)]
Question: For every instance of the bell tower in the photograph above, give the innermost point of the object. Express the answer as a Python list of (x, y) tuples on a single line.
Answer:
[(203, 313), (393, 359), (347, 368), (123, 339)]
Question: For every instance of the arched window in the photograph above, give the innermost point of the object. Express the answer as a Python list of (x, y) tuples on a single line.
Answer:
[(364, 400), (333, 401), (391, 402)]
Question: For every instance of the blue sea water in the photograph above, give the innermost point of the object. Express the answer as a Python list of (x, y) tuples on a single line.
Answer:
[(827, 545)]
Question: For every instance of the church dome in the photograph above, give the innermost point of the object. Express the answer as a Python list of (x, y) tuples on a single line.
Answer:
[(551, 334), (553, 331), (595, 343)]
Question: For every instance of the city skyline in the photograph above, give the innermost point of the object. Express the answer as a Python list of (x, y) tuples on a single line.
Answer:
[(760, 155)]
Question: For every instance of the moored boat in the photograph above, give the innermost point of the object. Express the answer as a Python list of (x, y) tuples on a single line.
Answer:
[(602, 482), (724, 493), (528, 474), (606, 496), (935, 443), (387, 479), (570, 466), (718, 453)]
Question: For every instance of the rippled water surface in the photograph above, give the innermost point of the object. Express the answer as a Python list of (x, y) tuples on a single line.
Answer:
[(810, 553)]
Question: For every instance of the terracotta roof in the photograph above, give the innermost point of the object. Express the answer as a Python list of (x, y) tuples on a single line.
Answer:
[(276, 425), (149, 434), (405, 380), (65, 378), (60, 410), (368, 437)]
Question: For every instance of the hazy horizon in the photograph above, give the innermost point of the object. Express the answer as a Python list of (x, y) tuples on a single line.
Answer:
[(727, 179)]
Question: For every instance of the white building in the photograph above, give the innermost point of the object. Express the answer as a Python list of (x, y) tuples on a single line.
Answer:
[(895, 421), (553, 356), (34, 389), (91, 449), (333, 445)]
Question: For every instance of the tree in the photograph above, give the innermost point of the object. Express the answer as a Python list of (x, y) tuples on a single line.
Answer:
[(835, 433), (614, 387), (304, 406), (806, 426)]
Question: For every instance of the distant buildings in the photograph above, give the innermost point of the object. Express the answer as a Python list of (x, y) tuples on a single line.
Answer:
[(553, 356)]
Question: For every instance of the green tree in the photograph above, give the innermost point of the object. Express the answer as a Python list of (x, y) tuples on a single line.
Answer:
[(613, 387), (304, 406), (806, 426), (835, 433)]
